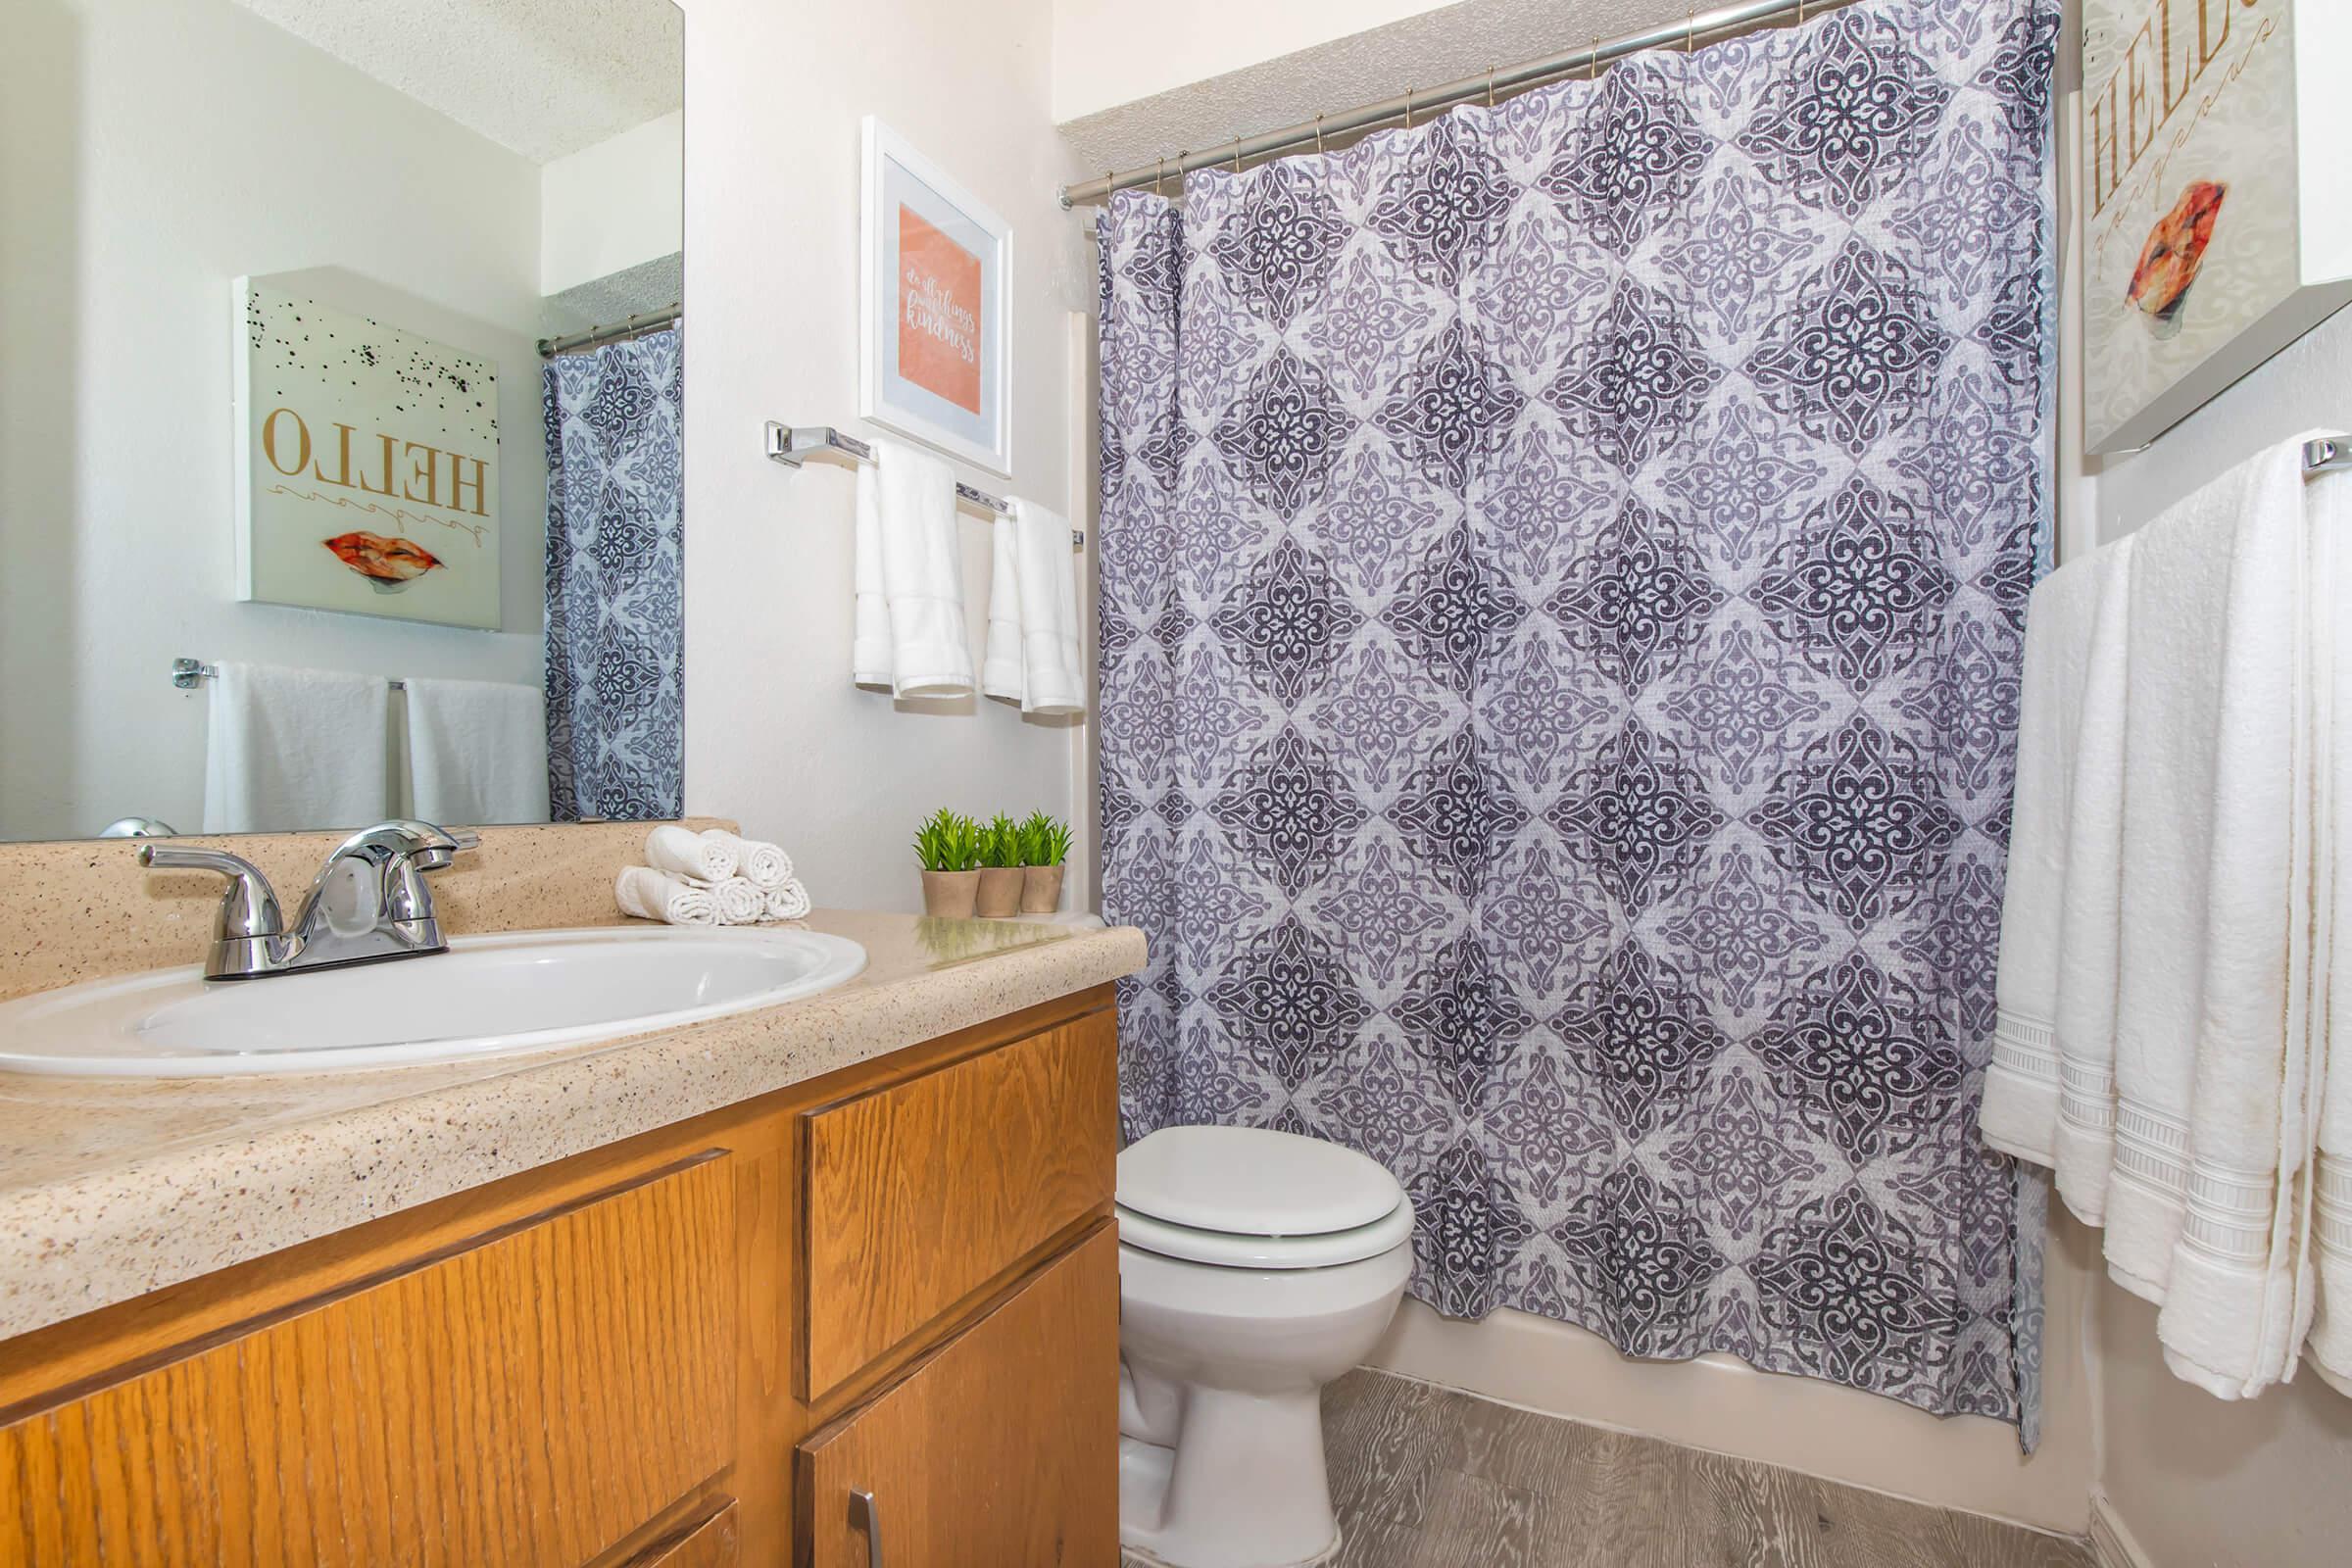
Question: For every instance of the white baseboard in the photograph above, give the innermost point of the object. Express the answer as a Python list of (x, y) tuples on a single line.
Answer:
[(2110, 1542)]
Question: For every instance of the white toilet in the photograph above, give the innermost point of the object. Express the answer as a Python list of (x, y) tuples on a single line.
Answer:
[(1254, 1267)]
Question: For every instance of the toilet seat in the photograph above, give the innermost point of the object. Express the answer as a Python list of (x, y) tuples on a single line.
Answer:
[(1252, 1198), (1230, 1249)]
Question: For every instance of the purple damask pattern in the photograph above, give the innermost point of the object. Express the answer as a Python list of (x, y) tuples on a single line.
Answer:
[(1562, 579)]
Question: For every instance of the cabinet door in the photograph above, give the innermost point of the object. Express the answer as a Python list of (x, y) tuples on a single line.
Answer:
[(921, 1192), (531, 1399), (712, 1544), (999, 1450)]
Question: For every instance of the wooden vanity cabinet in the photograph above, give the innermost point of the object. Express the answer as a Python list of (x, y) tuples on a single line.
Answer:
[(688, 1349)]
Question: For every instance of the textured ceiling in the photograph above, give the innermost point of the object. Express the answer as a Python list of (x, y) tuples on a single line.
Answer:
[(540, 78), (1423, 51)]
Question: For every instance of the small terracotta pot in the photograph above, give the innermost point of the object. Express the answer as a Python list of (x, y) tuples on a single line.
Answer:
[(1041, 890), (948, 895), (1000, 890)]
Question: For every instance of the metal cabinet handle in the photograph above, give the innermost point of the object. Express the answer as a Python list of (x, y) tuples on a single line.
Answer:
[(866, 1516)]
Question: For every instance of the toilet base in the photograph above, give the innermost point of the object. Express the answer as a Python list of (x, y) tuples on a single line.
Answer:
[(1246, 1487)]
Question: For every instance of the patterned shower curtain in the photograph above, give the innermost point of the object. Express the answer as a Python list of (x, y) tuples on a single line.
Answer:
[(615, 574), (1562, 580)]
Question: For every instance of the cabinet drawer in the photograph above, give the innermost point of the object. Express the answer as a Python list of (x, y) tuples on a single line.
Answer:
[(531, 1399), (1001, 1451), (921, 1192)]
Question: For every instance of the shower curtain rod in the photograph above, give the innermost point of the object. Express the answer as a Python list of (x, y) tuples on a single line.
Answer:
[(650, 320), (1486, 84)]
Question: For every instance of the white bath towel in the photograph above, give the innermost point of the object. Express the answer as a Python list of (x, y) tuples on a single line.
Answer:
[(765, 864), (788, 903), (1001, 670), (477, 752), (683, 851), (289, 749), (651, 895), (910, 629), (2091, 919), (1052, 681), (2019, 1114), (2207, 1026), (2329, 1220), (739, 901)]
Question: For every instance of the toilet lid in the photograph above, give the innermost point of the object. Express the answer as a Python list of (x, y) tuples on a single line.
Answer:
[(1223, 1251), (1249, 1180)]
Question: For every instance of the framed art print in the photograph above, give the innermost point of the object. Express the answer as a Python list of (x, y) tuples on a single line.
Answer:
[(366, 464), (935, 350), (2217, 204)]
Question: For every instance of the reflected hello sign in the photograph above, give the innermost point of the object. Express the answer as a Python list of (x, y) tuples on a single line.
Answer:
[(2212, 194), (368, 466)]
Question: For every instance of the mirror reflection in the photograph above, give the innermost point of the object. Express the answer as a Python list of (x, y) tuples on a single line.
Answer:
[(340, 391)]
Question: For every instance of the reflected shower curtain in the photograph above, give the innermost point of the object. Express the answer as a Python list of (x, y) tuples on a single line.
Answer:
[(616, 579), (1562, 580)]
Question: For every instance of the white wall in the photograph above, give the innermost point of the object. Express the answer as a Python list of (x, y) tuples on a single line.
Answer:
[(1112, 52), (776, 734), (612, 206), (149, 155)]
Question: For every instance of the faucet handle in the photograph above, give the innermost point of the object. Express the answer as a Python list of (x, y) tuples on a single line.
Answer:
[(248, 910), (404, 836)]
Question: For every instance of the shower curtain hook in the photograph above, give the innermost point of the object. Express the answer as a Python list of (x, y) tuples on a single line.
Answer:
[(1489, 86), (1160, 178), (1237, 154), (1408, 108), (1319, 135), (1593, 61), (1690, 31)]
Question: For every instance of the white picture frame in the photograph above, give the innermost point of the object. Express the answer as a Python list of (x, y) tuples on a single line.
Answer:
[(934, 306)]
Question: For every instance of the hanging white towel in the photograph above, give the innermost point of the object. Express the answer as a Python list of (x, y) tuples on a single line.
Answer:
[(1001, 670), (910, 629), (477, 752), (2209, 1027), (651, 895), (683, 851), (765, 864), (289, 749), (1033, 615), (2330, 1349), (2019, 1114)]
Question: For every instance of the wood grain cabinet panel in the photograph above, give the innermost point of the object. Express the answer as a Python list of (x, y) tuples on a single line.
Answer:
[(532, 1399), (715, 1542), (923, 1192), (999, 1450)]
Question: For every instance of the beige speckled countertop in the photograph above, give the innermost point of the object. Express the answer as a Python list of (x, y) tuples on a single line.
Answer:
[(110, 1189)]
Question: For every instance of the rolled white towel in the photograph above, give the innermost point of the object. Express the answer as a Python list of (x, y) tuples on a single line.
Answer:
[(739, 901), (766, 865), (683, 851), (652, 895), (789, 902)]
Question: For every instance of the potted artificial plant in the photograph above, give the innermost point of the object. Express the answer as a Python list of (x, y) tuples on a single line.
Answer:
[(1000, 873), (949, 848), (1045, 845)]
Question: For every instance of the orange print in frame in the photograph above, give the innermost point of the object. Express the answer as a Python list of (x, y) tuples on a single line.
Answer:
[(939, 313)]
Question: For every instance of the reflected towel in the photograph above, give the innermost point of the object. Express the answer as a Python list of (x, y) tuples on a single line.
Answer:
[(651, 895), (290, 748), (477, 752)]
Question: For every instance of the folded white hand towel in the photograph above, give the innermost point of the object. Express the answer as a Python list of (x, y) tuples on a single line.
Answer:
[(683, 851), (764, 864), (651, 895), (2091, 921), (2020, 1113), (477, 752), (1001, 671), (789, 902), (288, 749), (2208, 1048), (1052, 681), (739, 901), (911, 560)]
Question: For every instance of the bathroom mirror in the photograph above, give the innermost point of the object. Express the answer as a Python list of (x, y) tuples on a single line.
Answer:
[(281, 280)]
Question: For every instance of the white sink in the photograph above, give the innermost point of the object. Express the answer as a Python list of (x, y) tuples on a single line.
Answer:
[(491, 995)]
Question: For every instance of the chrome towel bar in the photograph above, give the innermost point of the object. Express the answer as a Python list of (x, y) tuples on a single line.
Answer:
[(795, 444), (187, 674)]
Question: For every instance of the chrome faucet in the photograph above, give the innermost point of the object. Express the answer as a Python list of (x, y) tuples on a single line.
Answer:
[(368, 901)]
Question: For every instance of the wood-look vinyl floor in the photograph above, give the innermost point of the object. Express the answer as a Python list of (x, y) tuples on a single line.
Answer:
[(1424, 1477)]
